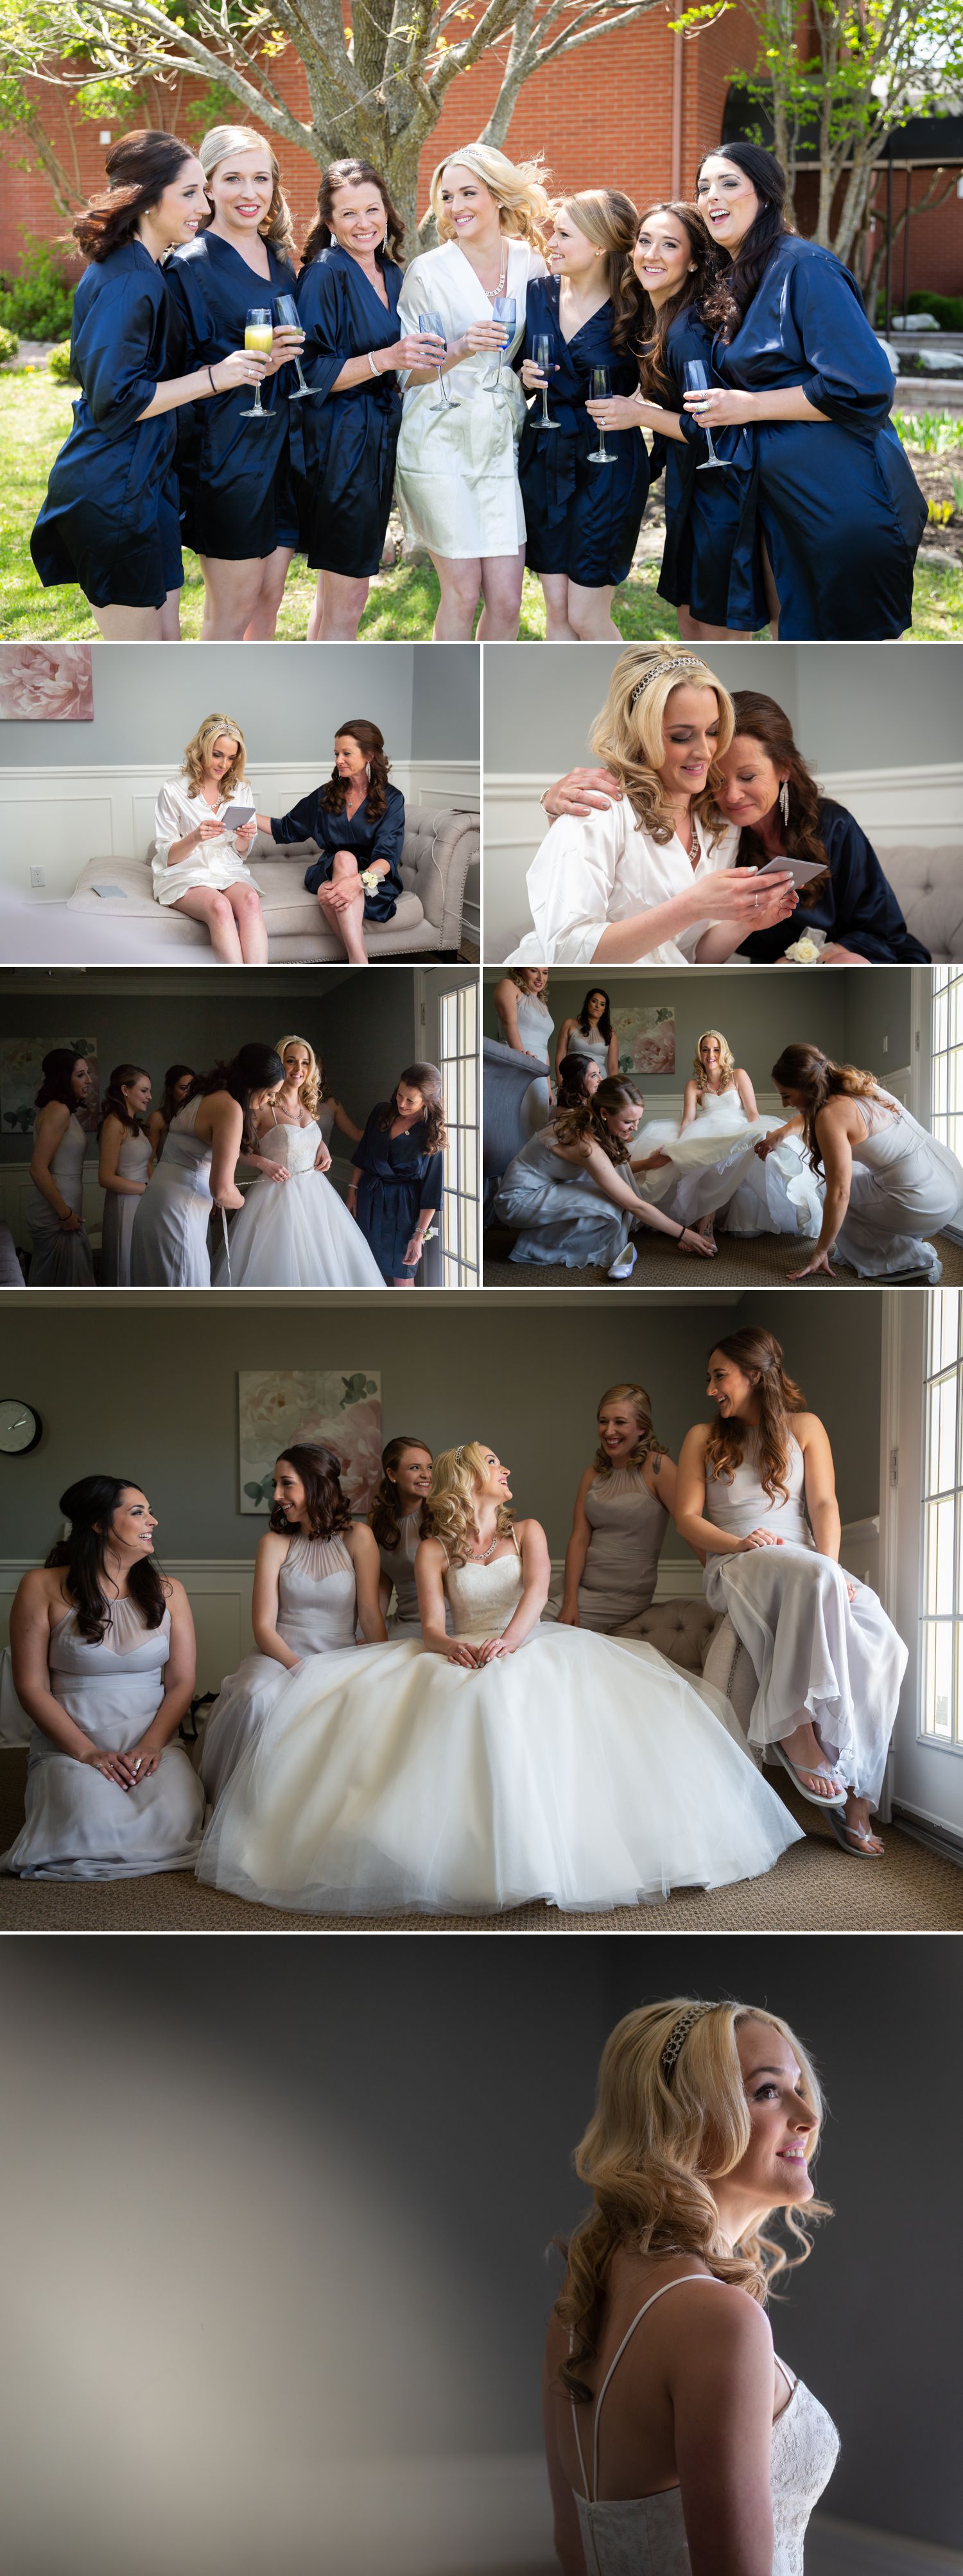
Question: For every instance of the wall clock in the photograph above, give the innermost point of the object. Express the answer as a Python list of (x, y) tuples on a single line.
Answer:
[(20, 1427)]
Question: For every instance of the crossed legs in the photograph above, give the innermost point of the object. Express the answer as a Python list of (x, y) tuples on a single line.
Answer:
[(341, 899)]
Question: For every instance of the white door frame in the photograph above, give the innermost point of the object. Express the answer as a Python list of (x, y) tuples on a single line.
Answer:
[(923, 1779)]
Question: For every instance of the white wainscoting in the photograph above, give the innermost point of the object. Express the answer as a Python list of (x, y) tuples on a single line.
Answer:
[(59, 819), (894, 807)]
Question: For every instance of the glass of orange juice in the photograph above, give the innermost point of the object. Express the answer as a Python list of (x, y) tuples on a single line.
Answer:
[(258, 334)]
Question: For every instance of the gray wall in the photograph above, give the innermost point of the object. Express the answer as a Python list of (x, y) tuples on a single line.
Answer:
[(849, 1013), (151, 1390), (287, 701), (849, 708)]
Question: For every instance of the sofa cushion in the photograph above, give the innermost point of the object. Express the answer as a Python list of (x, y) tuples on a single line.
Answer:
[(928, 885)]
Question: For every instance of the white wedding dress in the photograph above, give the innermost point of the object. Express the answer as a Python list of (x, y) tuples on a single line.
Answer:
[(317, 1610), (295, 1233), (715, 1170), (582, 1770), (645, 2535)]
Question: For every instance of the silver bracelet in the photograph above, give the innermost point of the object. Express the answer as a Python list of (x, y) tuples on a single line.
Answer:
[(376, 371), (546, 791)]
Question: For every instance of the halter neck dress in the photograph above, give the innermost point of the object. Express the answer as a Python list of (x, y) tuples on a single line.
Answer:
[(168, 1247), (904, 1181), (398, 1568), (77, 1824), (317, 1611), (629, 2535), (119, 1211), (535, 1025), (61, 1259), (582, 1770), (628, 1525), (560, 1216)]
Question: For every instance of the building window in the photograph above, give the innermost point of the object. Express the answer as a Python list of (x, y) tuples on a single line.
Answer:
[(946, 1056), (457, 1023), (941, 1661)]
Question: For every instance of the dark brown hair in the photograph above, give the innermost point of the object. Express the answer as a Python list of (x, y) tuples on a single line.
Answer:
[(769, 726), (759, 1356), (572, 1091), (57, 1069), (328, 1509), (372, 742), (654, 377), (384, 1517), (805, 1068), (139, 167), (115, 1106), (174, 1074), (604, 1025), (426, 1079), (588, 1123), (253, 1068), (89, 1506), (353, 174), (738, 280)]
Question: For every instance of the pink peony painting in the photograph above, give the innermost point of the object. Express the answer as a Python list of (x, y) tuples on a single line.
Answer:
[(46, 684), (341, 1408), (646, 1040)]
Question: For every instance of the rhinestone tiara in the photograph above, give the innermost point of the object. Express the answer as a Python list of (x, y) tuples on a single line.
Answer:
[(678, 2035), (680, 662)]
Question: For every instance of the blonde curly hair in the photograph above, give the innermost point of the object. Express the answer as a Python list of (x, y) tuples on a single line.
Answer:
[(276, 226), (524, 210), (629, 738), (309, 1091), (727, 1061), (456, 1477), (196, 751), (653, 2147)]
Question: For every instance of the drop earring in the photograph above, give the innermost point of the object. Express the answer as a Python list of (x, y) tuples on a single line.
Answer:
[(784, 801)]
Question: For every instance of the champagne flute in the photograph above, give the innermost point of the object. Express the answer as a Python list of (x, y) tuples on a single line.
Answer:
[(503, 311), (287, 312), (696, 380), (432, 326), (541, 352), (600, 393), (259, 335)]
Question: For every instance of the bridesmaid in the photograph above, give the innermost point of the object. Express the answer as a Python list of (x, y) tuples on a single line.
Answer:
[(178, 1084), (125, 1161), (767, 790), (103, 1665), (400, 1166), (578, 1081), (885, 1177), (622, 1511), (305, 1074), (111, 518), (526, 1025), (457, 454), (61, 1256), (199, 868), (842, 513), (217, 1123), (568, 1197), (239, 512), (756, 1500), (582, 518), (590, 1037), (348, 294), (315, 1583), (358, 822), (397, 1520)]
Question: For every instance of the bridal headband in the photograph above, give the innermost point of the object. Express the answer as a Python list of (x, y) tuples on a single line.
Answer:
[(679, 2034), (680, 662)]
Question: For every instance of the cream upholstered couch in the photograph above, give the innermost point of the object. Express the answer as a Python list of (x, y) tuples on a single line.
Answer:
[(440, 846), (928, 885)]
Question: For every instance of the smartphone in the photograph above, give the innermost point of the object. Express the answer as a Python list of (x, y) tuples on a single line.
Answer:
[(800, 870)]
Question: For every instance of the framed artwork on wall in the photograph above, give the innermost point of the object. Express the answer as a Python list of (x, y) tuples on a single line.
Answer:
[(21, 1074), (46, 684), (339, 1407), (646, 1039)]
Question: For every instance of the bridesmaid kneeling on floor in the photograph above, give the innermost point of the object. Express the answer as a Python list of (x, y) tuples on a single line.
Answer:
[(316, 1577), (358, 822), (103, 1665), (621, 1515), (61, 1255), (568, 1195), (125, 1161), (756, 1499), (397, 1195)]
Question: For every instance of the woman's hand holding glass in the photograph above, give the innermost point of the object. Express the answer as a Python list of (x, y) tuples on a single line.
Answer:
[(242, 367), (616, 411), (414, 349), (291, 338), (719, 406)]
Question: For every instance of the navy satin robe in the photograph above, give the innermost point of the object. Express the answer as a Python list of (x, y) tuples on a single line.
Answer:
[(367, 840), (580, 519), (398, 1179), (234, 473), (110, 520), (345, 479), (858, 907), (712, 562), (841, 510)]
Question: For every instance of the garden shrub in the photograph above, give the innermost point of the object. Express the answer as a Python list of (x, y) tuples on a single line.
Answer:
[(38, 304)]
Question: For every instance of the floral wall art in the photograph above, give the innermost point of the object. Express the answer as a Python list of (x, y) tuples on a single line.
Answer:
[(646, 1039), (340, 1407), (46, 684)]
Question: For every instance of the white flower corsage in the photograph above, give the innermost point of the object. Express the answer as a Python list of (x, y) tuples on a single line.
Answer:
[(807, 949)]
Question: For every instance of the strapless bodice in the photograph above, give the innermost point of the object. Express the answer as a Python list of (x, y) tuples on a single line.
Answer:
[(743, 1506), (648, 2532), (316, 1596), (721, 1108), (295, 1146), (484, 1597)]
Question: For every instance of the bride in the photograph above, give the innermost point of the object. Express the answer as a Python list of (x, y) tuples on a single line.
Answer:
[(712, 1164), (294, 1231), (455, 1780)]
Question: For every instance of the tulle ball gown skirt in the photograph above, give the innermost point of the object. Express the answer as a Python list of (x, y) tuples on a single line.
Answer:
[(295, 1234), (580, 1770)]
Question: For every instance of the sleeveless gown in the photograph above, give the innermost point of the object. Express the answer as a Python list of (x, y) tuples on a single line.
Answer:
[(630, 2535), (592, 1049), (119, 1212), (296, 1233), (578, 1770), (815, 1653), (562, 1217), (903, 1182), (715, 1168), (169, 1238), (317, 1610), (621, 1568), (535, 1025), (59, 1259), (398, 1568), (79, 1825)]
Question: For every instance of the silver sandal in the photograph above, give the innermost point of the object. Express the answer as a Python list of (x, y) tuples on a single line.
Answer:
[(817, 1770)]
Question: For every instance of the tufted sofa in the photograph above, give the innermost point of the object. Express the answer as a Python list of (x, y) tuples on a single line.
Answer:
[(928, 885), (440, 847)]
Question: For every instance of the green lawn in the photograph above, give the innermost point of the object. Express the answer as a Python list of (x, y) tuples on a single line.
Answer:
[(35, 417)]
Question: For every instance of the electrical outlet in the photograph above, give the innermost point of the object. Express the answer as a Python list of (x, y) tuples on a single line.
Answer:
[(38, 876)]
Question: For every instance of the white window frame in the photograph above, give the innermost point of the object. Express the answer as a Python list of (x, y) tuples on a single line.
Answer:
[(926, 1771), (930, 984), (453, 1259)]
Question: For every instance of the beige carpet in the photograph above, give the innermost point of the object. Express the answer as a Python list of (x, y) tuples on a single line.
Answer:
[(742, 1261), (814, 1888)]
